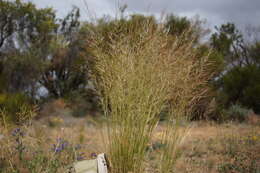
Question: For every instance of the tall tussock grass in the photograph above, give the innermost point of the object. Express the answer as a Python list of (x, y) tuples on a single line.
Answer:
[(140, 72)]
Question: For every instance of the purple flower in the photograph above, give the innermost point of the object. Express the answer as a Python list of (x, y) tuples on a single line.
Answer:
[(18, 135), (18, 132), (93, 155), (80, 156), (56, 148), (60, 146)]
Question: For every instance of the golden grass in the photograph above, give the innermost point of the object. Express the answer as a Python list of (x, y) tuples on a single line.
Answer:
[(139, 72)]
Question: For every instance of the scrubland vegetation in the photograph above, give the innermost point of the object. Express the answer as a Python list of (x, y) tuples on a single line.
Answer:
[(207, 147), (151, 94)]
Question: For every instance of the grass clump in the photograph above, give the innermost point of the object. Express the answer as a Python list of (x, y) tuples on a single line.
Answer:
[(138, 72), (15, 108)]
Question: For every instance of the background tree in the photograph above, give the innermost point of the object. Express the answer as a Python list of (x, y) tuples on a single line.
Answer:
[(177, 26), (67, 68), (39, 50), (25, 34), (239, 81)]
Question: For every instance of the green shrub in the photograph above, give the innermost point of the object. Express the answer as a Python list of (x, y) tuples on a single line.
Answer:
[(236, 113), (83, 102)]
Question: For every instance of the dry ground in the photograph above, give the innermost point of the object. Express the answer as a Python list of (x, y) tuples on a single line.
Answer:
[(208, 148)]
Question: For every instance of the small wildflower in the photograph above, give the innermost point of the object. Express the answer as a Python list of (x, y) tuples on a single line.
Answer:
[(64, 145), (93, 155), (60, 146), (17, 132), (80, 156), (56, 148)]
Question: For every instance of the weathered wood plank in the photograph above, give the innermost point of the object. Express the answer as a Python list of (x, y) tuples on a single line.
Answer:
[(101, 162), (86, 166), (97, 165)]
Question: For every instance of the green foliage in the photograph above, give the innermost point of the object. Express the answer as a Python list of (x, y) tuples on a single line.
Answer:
[(67, 68), (24, 22), (122, 26), (254, 50), (242, 85), (40, 50), (177, 25), (20, 72), (15, 108), (84, 103), (239, 77), (26, 33), (226, 37), (236, 113)]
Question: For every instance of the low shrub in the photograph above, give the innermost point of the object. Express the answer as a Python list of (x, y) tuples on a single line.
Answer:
[(235, 113), (16, 108), (83, 103)]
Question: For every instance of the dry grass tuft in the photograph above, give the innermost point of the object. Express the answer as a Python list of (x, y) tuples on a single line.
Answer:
[(138, 73)]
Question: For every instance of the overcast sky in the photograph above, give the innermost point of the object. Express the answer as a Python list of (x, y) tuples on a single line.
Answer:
[(216, 12)]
